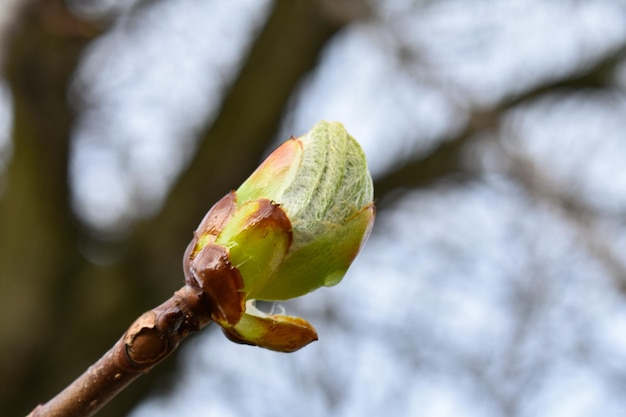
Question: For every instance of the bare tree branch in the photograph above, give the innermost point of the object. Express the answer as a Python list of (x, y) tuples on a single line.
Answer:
[(447, 160), (581, 218)]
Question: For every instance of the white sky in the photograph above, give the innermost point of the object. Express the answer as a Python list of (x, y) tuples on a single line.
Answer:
[(5, 129), (7, 11)]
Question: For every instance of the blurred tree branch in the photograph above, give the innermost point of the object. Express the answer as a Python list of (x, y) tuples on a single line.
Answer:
[(447, 160), (581, 218), (38, 260)]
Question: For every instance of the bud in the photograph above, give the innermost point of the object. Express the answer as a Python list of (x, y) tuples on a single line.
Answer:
[(294, 225)]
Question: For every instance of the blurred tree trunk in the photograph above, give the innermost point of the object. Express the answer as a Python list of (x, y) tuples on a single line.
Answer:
[(61, 312), (38, 256)]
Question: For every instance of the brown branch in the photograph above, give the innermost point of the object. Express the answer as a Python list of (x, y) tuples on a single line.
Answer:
[(146, 343)]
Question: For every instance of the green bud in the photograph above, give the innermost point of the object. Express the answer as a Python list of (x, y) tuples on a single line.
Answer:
[(257, 237), (321, 181), (294, 225)]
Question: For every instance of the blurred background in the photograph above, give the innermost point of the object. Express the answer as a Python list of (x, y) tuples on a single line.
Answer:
[(494, 283)]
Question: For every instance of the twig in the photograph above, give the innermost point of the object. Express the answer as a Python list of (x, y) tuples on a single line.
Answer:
[(147, 342)]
